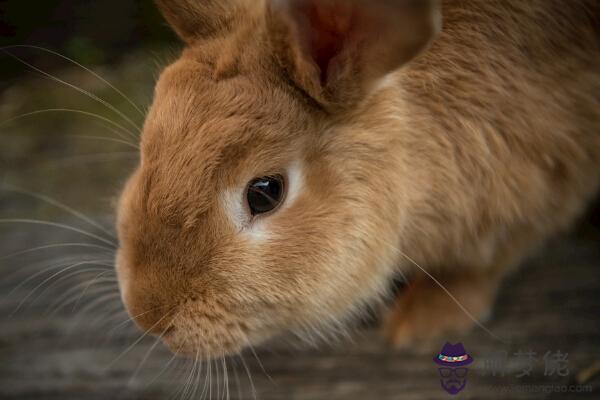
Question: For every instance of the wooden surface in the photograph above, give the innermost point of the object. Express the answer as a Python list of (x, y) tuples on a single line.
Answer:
[(552, 303)]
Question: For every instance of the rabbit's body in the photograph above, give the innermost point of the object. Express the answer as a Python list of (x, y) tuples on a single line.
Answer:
[(500, 122), (495, 137), (458, 163)]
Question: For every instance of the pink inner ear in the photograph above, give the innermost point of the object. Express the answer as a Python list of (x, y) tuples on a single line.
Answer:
[(331, 26)]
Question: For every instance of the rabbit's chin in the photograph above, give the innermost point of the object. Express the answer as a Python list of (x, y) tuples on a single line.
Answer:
[(196, 349), (191, 334), (197, 345)]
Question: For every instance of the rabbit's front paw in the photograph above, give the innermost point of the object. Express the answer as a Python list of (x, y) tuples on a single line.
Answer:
[(425, 310)]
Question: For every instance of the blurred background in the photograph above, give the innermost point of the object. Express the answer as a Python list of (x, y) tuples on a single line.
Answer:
[(125, 42), (91, 32), (75, 80)]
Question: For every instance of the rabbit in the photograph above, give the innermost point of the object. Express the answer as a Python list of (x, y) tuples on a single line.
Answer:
[(300, 155)]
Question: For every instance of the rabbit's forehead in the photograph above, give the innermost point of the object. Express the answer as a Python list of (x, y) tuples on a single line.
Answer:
[(191, 106), (215, 141), (196, 120)]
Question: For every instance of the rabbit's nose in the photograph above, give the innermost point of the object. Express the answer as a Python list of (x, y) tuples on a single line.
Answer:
[(149, 305), (155, 321)]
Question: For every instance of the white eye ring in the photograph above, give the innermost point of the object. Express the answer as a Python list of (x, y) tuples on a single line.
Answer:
[(235, 206)]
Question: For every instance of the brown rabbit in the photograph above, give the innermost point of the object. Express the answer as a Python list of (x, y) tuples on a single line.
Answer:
[(301, 153)]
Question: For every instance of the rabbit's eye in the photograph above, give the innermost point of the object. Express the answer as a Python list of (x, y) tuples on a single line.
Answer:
[(265, 194)]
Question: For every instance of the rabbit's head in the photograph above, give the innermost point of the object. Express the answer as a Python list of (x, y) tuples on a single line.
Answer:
[(256, 208)]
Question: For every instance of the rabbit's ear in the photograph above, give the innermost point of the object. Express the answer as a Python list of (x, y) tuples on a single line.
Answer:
[(196, 19), (336, 50)]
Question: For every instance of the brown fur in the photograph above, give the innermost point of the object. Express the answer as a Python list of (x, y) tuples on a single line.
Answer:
[(484, 145)]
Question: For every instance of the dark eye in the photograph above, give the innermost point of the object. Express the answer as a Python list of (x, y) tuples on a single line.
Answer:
[(265, 194)]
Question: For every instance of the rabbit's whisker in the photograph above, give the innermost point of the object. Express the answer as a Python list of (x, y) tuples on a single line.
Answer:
[(102, 300), (226, 377), (56, 274), (249, 374), (62, 206), (76, 88), (112, 129), (44, 266), (71, 111), (128, 349), (95, 328), (107, 139), (192, 383), (118, 316), (202, 383), (198, 377), (450, 295), (218, 378), (103, 311), (92, 293), (210, 383), (130, 319), (64, 303), (205, 382), (55, 246), (145, 358), (57, 225), (107, 316), (39, 48), (237, 378), (166, 367), (113, 281), (253, 351), (58, 280), (48, 268), (67, 162), (184, 378), (67, 298)]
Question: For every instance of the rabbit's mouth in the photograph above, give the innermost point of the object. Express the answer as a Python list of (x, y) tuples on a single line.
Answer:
[(170, 331), (196, 338)]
